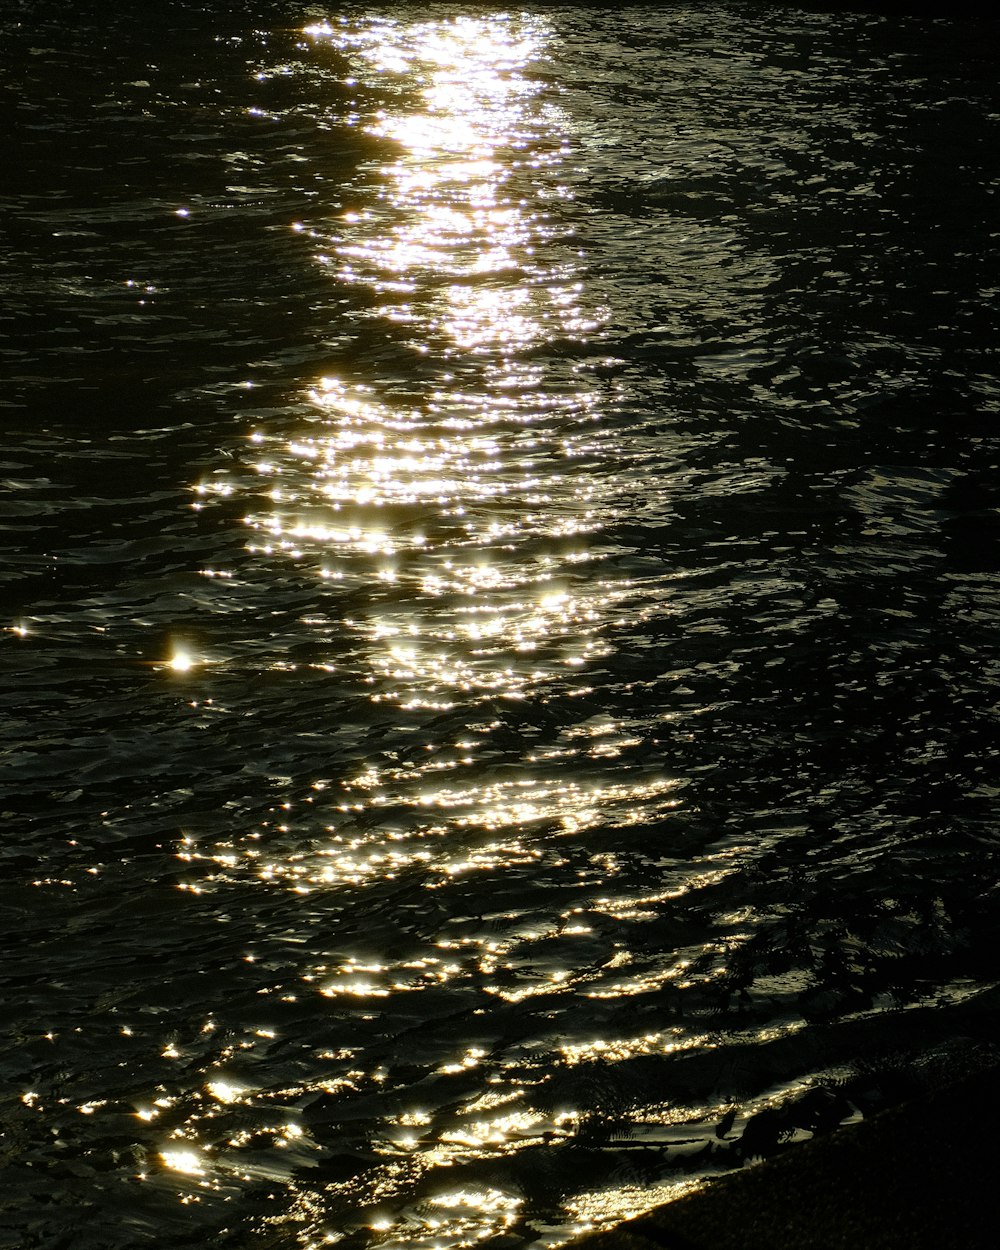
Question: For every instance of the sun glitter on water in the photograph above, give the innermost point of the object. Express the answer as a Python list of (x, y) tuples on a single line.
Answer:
[(181, 661)]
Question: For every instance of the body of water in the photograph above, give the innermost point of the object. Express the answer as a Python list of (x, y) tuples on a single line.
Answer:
[(499, 534)]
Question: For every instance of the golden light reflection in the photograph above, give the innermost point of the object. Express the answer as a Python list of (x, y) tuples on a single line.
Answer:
[(620, 1049), (622, 1202), (453, 496), (187, 1161), (504, 1130), (224, 1091), (453, 816), (439, 487)]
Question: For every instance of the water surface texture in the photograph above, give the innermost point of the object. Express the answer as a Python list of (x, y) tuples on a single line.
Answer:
[(499, 601)]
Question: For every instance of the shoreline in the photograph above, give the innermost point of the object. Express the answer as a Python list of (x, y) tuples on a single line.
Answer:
[(919, 1175)]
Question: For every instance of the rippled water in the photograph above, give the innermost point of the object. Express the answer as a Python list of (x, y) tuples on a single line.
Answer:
[(500, 598)]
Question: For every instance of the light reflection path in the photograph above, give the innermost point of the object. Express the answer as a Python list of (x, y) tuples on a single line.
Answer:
[(447, 490), (444, 488), (462, 504)]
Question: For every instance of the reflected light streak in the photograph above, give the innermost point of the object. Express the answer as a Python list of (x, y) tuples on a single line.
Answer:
[(448, 799), (611, 1205), (444, 479)]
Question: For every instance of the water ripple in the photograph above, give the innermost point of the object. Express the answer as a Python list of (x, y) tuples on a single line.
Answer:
[(499, 609)]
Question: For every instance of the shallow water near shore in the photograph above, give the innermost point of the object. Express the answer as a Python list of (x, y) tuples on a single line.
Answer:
[(499, 604)]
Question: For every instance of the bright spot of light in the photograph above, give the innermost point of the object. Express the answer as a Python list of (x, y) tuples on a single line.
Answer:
[(223, 1091), (187, 1161)]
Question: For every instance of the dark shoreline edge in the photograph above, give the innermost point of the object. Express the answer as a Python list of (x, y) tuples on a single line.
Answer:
[(922, 1176)]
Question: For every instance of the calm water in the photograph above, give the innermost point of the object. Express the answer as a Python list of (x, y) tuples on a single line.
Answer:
[(500, 566)]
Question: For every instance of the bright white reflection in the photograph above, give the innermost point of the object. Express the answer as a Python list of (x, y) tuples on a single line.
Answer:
[(441, 488), (224, 1091), (451, 485), (189, 1162)]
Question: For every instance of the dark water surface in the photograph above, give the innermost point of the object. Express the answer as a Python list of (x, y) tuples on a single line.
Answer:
[(500, 565)]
